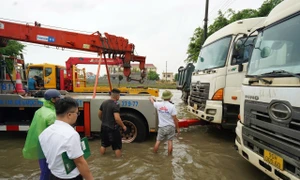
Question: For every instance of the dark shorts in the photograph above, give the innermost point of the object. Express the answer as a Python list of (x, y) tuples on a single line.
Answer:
[(111, 137)]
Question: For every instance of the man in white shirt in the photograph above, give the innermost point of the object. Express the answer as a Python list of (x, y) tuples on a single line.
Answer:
[(61, 137), (167, 121)]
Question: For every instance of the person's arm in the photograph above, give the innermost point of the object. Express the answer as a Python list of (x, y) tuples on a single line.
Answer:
[(100, 114), (83, 168), (36, 85), (50, 119), (116, 111), (75, 153), (151, 99), (176, 123), (174, 116), (119, 120)]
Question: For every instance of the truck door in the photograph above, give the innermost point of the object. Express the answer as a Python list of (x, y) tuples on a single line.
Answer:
[(236, 70), (49, 77)]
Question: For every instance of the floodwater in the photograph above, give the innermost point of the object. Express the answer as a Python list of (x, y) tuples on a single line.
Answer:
[(200, 152)]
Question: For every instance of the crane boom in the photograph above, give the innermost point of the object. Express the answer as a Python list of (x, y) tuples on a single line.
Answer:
[(110, 46)]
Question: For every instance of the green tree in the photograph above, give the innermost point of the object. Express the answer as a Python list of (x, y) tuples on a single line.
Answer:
[(219, 23), (243, 14), (176, 77), (13, 48), (152, 75), (195, 45), (197, 40), (267, 6)]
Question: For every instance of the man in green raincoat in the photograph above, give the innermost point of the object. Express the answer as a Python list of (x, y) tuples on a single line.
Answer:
[(43, 117)]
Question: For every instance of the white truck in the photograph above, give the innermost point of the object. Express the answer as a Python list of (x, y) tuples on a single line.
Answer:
[(220, 69), (268, 133)]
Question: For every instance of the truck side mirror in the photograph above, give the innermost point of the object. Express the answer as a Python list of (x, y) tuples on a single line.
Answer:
[(265, 52), (238, 45), (240, 67)]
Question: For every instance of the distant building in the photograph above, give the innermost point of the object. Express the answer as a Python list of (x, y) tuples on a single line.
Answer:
[(90, 75), (167, 76), (116, 69)]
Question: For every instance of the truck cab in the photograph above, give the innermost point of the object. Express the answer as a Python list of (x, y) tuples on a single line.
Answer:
[(219, 71), (268, 133), (48, 75)]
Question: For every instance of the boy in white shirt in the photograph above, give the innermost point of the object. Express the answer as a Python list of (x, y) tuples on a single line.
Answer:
[(167, 121), (61, 137)]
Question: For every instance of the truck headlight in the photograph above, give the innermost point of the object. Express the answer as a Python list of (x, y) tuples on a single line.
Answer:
[(211, 111)]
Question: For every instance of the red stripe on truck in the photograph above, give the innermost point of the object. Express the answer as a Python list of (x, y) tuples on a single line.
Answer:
[(12, 128)]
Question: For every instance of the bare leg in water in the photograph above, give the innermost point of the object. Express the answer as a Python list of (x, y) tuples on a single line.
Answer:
[(118, 153), (156, 146), (170, 147), (102, 150)]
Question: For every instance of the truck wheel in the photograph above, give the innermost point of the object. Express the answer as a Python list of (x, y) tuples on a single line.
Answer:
[(136, 129)]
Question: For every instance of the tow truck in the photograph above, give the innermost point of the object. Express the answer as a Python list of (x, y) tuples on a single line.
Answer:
[(16, 110), (268, 133), (74, 79), (217, 78)]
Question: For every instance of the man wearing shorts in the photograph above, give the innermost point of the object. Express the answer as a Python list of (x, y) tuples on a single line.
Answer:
[(109, 114), (167, 121)]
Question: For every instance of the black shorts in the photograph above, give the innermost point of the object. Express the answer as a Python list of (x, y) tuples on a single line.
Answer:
[(111, 137)]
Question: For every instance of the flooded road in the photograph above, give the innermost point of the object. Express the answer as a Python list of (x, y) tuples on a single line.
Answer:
[(200, 152)]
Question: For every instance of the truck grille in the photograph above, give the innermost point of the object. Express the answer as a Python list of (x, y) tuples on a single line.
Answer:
[(274, 126), (199, 94)]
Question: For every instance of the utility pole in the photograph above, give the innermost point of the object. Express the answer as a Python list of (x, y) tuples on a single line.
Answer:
[(205, 20), (166, 70)]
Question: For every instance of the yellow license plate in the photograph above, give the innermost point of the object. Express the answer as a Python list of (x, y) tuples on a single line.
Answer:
[(273, 159), (195, 106)]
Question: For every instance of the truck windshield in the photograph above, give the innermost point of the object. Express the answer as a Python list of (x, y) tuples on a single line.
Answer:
[(213, 55), (277, 49), (35, 71)]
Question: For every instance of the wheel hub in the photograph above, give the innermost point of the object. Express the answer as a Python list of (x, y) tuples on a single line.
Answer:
[(131, 133)]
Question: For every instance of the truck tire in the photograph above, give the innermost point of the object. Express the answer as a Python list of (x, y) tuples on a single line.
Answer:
[(136, 129)]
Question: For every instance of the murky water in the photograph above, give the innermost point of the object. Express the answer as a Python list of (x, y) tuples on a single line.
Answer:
[(200, 152)]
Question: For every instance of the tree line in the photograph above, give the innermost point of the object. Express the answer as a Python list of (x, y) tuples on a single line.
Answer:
[(223, 19)]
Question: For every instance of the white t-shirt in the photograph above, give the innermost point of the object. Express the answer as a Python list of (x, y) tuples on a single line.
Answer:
[(58, 138), (165, 111)]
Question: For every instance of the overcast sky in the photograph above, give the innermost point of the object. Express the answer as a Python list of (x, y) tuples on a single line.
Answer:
[(160, 29)]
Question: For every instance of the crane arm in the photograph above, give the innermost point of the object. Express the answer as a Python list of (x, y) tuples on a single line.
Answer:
[(88, 60), (107, 45)]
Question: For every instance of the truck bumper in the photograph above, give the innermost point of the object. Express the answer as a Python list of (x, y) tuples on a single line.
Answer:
[(212, 113), (257, 160)]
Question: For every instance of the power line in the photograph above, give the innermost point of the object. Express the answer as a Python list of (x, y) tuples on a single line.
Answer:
[(225, 7), (228, 5), (216, 9)]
